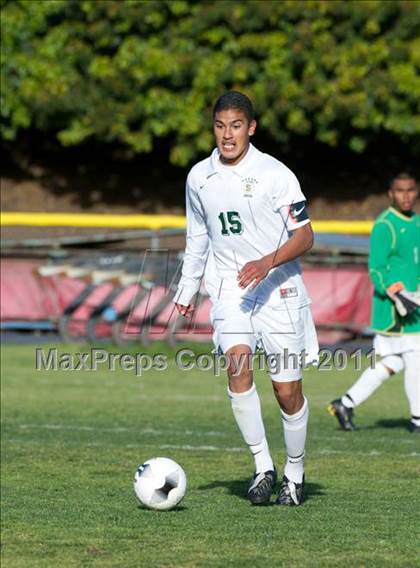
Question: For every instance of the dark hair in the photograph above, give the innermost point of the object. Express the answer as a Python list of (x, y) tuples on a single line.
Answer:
[(236, 100), (401, 175)]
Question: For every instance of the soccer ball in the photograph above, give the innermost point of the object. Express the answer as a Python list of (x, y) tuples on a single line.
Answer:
[(160, 483)]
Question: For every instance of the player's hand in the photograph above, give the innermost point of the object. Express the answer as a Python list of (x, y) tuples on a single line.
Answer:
[(253, 272), (405, 302), (185, 311)]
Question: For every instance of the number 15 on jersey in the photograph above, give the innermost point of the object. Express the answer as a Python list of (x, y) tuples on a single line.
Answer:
[(231, 223)]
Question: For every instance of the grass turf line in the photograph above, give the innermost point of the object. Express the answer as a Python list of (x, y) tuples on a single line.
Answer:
[(71, 442)]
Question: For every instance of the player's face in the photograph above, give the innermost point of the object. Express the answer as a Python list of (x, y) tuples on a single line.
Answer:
[(232, 131), (403, 194)]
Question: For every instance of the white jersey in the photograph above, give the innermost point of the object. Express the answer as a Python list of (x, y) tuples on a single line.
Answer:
[(236, 214)]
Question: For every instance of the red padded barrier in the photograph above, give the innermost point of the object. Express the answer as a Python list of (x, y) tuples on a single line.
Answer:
[(341, 296)]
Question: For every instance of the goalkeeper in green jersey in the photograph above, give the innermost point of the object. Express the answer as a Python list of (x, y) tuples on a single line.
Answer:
[(394, 269)]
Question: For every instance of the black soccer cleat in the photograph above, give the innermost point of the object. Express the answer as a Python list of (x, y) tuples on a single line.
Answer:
[(343, 414), (414, 428), (291, 493), (262, 487)]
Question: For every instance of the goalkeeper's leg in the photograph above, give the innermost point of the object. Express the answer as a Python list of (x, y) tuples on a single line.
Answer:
[(412, 387), (370, 380)]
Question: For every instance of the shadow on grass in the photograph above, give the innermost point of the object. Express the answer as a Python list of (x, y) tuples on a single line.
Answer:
[(402, 423), (239, 488), (177, 509)]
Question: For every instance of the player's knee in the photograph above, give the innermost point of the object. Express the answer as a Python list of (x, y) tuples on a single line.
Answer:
[(240, 378), (240, 383), (289, 396), (239, 364)]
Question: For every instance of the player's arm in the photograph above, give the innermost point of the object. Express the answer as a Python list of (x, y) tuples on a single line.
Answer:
[(196, 253), (300, 241), (381, 245)]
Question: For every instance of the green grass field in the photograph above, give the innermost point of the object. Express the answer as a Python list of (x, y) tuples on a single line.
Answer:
[(71, 442)]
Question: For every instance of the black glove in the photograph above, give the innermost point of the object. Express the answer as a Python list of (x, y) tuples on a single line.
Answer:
[(405, 302)]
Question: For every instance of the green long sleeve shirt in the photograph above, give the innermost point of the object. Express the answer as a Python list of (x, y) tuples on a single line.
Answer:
[(394, 257)]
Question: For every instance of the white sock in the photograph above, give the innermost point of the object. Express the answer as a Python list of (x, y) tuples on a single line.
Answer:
[(371, 379), (412, 384), (294, 427), (246, 409)]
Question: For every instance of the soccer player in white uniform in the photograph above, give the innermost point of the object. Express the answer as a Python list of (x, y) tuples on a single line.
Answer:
[(247, 226)]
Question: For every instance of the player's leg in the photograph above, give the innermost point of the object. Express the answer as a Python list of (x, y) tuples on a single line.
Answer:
[(286, 336), (246, 409), (246, 406), (369, 381), (234, 336), (412, 387), (294, 415)]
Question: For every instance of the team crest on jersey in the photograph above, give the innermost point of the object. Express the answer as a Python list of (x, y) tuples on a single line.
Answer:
[(249, 186)]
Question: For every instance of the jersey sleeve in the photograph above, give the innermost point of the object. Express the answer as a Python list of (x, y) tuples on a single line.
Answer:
[(381, 241), (196, 251), (289, 200)]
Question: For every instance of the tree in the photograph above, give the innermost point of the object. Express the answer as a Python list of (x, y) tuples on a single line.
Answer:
[(343, 72)]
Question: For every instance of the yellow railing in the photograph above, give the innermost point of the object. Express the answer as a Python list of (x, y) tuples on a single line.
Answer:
[(153, 222), (94, 220)]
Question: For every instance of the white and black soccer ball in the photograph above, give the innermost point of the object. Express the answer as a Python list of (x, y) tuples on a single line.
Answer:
[(160, 483)]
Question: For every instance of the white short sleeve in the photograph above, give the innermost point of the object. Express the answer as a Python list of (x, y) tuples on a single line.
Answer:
[(286, 189), (289, 200)]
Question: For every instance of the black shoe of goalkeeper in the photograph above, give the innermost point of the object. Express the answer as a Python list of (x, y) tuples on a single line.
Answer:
[(291, 494), (414, 428), (343, 414), (262, 487)]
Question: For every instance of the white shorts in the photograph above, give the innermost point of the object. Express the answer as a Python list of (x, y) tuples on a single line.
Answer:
[(395, 344), (287, 336)]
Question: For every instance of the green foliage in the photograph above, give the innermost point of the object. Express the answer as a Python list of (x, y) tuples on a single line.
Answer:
[(134, 71)]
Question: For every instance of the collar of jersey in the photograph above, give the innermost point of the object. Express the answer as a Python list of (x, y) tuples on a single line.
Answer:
[(239, 169), (400, 215)]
